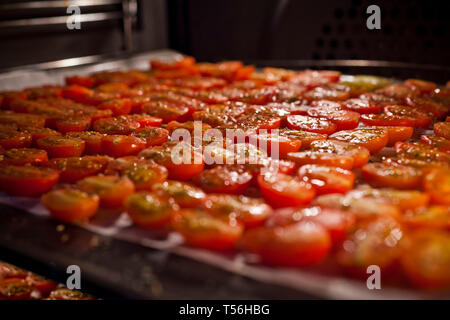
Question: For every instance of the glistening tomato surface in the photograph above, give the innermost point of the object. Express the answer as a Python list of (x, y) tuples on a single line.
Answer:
[(58, 147), (311, 124), (25, 156), (373, 140), (223, 179), (394, 176), (326, 179)]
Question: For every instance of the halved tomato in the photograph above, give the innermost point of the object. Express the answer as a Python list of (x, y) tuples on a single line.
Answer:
[(295, 245), (343, 119), (436, 142), (118, 107), (92, 139), (396, 134), (375, 242), (204, 230), (436, 217), (121, 145), (15, 139), (372, 139), (421, 119), (321, 158), (276, 145), (73, 124), (418, 151), (153, 136), (180, 159), (27, 181), (442, 129), (361, 105), (143, 173), (282, 190), (111, 190), (336, 222), (224, 179), (383, 119), (149, 210), (421, 85), (311, 124), (437, 185), (70, 205), (15, 289), (305, 137), (23, 156), (251, 212), (426, 261), (72, 169), (184, 194), (359, 154), (395, 176), (39, 133), (327, 179), (59, 147), (117, 125), (166, 110)]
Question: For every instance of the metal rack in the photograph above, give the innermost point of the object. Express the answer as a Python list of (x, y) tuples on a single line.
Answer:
[(26, 14)]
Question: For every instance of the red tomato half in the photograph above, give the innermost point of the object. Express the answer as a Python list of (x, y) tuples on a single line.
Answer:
[(343, 119), (311, 124), (20, 157), (72, 169), (295, 245), (15, 289), (204, 230), (281, 190), (121, 145), (70, 205), (394, 176), (373, 140), (223, 179), (59, 147), (442, 129), (27, 181), (326, 179)]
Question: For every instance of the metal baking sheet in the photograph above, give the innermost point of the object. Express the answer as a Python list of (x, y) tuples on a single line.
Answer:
[(314, 282)]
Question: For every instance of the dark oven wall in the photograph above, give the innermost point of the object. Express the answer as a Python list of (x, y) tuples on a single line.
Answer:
[(39, 43), (411, 31)]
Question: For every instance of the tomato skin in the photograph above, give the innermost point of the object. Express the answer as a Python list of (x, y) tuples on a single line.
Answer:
[(281, 190), (321, 158), (326, 179), (15, 139), (442, 129), (23, 156), (92, 139), (72, 169), (27, 181), (181, 63), (153, 136), (144, 120), (166, 110), (15, 289), (428, 106), (395, 176), (426, 261), (306, 138), (249, 211), (70, 205), (121, 145), (23, 120), (203, 230), (311, 124), (60, 147), (41, 284), (111, 190), (437, 185), (223, 179), (422, 85), (148, 210), (296, 245), (373, 140)]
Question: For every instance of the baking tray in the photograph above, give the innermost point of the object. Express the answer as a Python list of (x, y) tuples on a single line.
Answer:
[(120, 261)]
